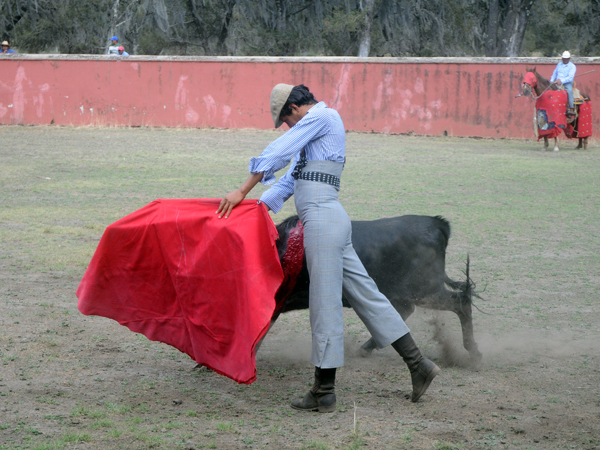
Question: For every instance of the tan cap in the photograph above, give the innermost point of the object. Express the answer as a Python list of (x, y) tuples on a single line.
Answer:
[(566, 54), (5, 43), (279, 96)]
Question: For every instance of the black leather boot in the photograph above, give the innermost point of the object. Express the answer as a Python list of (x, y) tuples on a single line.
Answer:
[(321, 396), (422, 370)]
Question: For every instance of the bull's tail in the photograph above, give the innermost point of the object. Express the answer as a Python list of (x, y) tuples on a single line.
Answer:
[(465, 290)]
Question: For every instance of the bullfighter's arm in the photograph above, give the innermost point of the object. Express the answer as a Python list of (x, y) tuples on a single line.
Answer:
[(280, 191), (234, 198), (278, 153)]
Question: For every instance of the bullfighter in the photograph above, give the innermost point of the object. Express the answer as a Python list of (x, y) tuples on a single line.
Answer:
[(316, 144)]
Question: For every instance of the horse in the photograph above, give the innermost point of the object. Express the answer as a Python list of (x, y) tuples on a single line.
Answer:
[(538, 84)]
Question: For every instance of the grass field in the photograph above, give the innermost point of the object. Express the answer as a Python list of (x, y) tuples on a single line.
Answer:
[(527, 218)]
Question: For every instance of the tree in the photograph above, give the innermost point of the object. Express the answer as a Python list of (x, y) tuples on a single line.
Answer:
[(305, 27), (564, 25), (506, 25), (367, 8)]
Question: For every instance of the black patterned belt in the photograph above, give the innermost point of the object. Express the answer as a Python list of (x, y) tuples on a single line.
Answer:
[(298, 174), (319, 176)]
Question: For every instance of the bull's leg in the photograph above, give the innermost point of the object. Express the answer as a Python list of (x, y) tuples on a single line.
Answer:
[(367, 348), (545, 143), (580, 144), (585, 139), (464, 312), (448, 301), (555, 144), (405, 310)]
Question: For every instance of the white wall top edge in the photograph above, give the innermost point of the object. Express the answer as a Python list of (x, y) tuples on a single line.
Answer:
[(305, 59)]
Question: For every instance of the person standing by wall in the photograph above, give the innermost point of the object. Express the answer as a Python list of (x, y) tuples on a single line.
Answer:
[(6, 48), (122, 52), (564, 74), (316, 141), (113, 49)]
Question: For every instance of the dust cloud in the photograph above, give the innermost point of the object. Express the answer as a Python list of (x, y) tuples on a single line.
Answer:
[(439, 336)]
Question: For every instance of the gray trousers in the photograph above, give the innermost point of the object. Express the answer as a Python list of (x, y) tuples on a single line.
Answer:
[(334, 268)]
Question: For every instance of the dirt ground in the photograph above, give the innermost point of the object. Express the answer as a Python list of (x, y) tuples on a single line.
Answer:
[(71, 381)]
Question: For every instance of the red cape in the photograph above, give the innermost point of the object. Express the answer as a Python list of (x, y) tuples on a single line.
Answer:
[(176, 273)]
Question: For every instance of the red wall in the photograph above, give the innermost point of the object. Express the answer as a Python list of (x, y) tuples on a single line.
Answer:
[(459, 96)]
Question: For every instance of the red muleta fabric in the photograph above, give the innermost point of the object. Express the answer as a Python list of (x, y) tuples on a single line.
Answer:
[(551, 107), (178, 274)]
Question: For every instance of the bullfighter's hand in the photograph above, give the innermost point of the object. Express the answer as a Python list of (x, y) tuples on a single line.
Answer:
[(558, 82), (230, 201)]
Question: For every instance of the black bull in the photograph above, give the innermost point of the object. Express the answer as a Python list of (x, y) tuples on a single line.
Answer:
[(406, 257)]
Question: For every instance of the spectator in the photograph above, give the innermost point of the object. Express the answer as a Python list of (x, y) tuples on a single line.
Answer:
[(6, 48), (122, 51), (113, 49)]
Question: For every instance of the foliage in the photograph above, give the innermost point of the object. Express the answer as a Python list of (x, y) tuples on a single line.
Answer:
[(558, 25), (305, 27)]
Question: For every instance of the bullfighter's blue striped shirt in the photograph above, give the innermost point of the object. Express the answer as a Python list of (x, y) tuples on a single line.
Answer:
[(320, 132)]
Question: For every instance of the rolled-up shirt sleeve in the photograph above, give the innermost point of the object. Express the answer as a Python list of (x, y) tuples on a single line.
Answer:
[(278, 154), (276, 196)]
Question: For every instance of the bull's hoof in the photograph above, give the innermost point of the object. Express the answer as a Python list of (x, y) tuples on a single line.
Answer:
[(367, 348), (365, 353), (476, 359), (555, 149)]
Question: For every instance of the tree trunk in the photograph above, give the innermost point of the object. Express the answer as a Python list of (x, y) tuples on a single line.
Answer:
[(281, 15), (228, 15), (364, 46), (514, 27), (113, 23), (491, 37), (196, 19)]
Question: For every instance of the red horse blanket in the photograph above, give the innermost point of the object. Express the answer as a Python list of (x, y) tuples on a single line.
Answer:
[(550, 113), (584, 120), (176, 273)]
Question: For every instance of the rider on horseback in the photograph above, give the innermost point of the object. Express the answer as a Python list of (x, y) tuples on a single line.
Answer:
[(563, 75)]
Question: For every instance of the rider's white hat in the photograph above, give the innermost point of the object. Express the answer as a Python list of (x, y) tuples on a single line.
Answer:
[(566, 54)]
